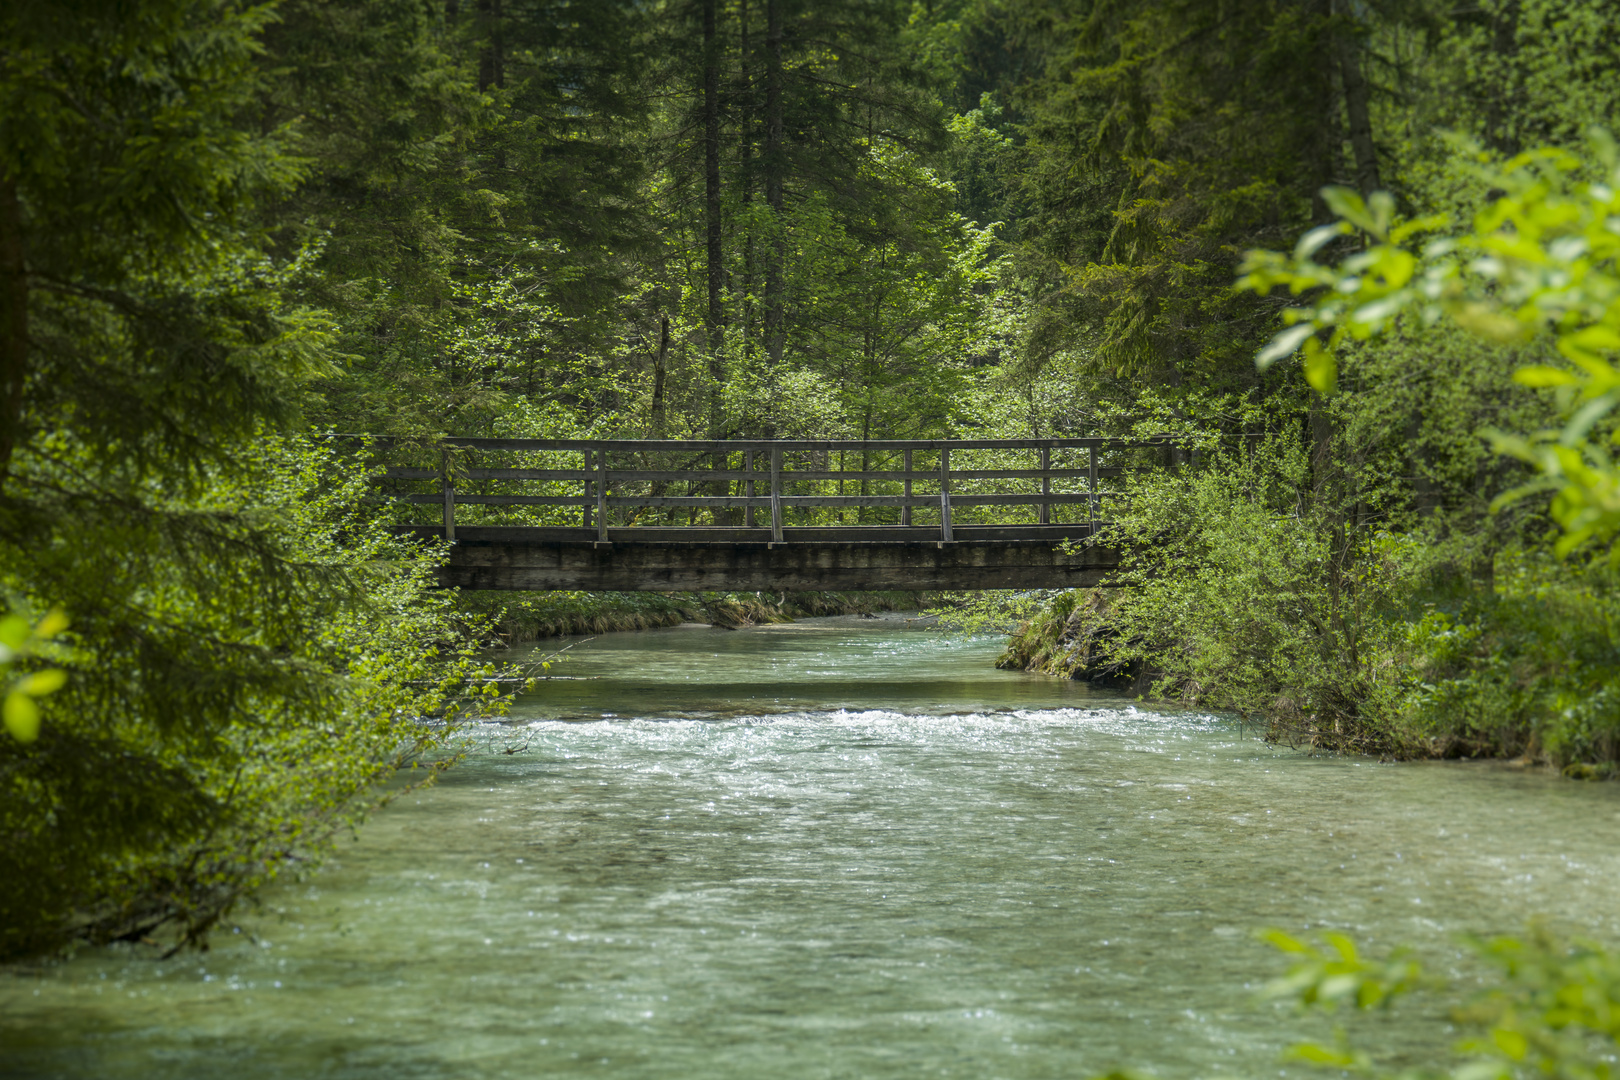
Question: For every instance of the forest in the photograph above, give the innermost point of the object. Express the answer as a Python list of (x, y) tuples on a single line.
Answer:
[(1358, 260)]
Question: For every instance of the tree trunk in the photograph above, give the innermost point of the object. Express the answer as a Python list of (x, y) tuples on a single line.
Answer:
[(1318, 99), (745, 177), (714, 318), (13, 321), (492, 57), (774, 168), (1355, 106), (657, 420), (1500, 133), (715, 269)]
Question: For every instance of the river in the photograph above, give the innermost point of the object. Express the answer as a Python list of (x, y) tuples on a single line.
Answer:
[(835, 848)]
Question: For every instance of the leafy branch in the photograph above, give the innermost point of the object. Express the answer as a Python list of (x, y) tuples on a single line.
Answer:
[(1542, 258)]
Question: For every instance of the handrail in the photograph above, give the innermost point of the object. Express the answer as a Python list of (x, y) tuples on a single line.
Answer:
[(654, 445), (602, 489)]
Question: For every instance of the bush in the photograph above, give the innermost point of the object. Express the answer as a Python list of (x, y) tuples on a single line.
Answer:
[(246, 671), (1547, 1007)]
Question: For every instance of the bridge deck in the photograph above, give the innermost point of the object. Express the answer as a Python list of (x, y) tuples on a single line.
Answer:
[(637, 559), (915, 505)]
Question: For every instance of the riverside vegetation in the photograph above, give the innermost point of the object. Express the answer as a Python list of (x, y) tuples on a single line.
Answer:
[(1371, 565), (226, 228), (1301, 582)]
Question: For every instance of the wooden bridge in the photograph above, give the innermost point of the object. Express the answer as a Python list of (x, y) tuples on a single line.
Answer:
[(777, 515)]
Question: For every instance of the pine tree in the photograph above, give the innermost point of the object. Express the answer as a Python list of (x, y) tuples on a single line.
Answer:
[(231, 697)]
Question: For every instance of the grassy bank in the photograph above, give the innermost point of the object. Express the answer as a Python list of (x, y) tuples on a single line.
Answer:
[(1070, 638), (523, 617), (1525, 670)]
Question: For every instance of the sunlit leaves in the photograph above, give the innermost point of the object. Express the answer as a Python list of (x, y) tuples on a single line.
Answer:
[(1285, 344), (1554, 1009), (1334, 973), (1320, 369), (1543, 258), (20, 640)]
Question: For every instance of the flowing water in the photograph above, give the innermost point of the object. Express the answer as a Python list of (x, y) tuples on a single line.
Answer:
[(839, 848)]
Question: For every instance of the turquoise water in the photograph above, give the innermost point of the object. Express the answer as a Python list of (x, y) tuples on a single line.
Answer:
[(841, 848)]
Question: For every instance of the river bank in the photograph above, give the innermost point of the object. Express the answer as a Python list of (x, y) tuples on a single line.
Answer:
[(1500, 683)]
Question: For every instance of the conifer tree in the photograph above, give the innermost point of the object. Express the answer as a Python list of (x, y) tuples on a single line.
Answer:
[(232, 695)]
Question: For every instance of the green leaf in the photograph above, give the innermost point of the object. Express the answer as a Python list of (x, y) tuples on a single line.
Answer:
[(1284, 942), (1338, 986), (1479, 1070), (1283, 345), (1348, 204), (1587, 415), (1342, 945), (1317, 1054), (1321, 370), (1312, 242), (44, 682), (1524, 491), (1540, 375), (15, 632), (1596, 338), (1381, 204), (22, 717), (1510, 1042)]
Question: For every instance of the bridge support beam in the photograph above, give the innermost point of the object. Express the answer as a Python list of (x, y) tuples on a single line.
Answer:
[(484, 559)]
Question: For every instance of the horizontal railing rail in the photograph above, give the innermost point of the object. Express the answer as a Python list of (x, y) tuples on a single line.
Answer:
[(648, 445), (747, 477)]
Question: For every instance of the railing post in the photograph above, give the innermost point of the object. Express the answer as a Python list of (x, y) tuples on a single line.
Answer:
[(748, 467), (601, 496), (585, 511), (1046, 484), (945, 494), (905, 511), (776, 494), (447, 485), (1091, 489)]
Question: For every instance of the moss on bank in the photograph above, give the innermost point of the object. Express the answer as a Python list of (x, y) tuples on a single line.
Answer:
[(1069, 638), (523, 617)]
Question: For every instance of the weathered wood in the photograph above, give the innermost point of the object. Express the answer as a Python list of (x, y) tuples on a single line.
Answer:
[(615, 446), (1046, 484), (776, 494), (780, 567), (905, 513), (602, 499), (447, 489), (497, 500), (585, 512), (705, 475), (661, 535), (733, 502), (597, 555), (748, 468), (1095, 472)]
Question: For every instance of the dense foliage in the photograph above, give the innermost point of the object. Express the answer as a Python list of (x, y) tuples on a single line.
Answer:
[(241, 640), (1357, 548), (226, 226)]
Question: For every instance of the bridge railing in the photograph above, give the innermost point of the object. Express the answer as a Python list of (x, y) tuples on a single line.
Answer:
[(923, 485)]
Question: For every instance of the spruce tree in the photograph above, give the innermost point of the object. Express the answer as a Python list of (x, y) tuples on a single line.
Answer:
[(234, 689)]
